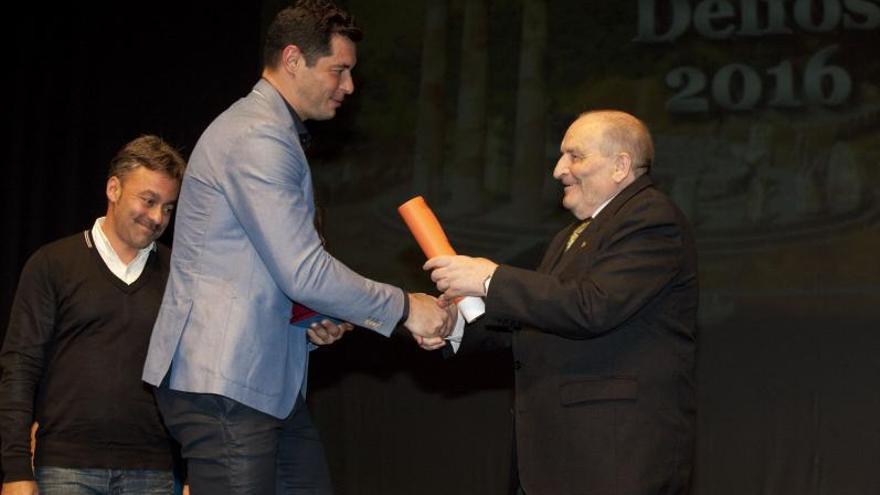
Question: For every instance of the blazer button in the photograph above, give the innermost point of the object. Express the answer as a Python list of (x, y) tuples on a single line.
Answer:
[(517, 365)]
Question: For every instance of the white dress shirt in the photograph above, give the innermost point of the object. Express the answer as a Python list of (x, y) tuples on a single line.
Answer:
[(127, 273)]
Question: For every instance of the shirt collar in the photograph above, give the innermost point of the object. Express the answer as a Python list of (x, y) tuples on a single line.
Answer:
[(304, 137), (603, 205)]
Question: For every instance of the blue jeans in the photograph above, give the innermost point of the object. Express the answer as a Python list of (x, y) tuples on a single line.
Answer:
[(71, 481)]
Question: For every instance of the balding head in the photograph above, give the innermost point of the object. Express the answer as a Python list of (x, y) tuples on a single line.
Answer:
[(624, 133)]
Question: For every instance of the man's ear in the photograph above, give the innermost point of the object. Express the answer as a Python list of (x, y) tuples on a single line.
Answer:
[(292, 58), (622, 166), (114, 189)]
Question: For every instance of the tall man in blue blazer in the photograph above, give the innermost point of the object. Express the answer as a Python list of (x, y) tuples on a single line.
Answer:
[(604, 332), (230, 370)]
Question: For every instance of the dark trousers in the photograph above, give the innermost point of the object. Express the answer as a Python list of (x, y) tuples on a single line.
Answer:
[(231, 449)]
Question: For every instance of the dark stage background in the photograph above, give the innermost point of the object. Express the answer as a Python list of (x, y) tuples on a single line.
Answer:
[(766, 122)]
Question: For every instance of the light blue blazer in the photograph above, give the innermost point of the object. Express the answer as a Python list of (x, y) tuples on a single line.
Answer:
[(245, 246)]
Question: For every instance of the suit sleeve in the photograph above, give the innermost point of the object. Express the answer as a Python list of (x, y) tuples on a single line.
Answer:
[(484, 335), (23, 359), (638, 261), (266, 189)]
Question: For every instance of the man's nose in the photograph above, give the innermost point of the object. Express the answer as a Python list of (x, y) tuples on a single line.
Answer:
[(157, 215), (560, 168), (347, 84)]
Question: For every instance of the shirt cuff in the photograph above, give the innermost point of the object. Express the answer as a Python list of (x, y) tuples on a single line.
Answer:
[(405, 315), (457, 334)]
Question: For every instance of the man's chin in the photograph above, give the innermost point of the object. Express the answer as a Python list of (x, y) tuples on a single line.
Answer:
[(145, 241), (325, 116)]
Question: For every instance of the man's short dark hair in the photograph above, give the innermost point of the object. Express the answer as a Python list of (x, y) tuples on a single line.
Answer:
[(151, 152), (309, 25)]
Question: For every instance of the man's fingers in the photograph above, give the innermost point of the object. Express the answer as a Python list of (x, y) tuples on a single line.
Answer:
[(327, 332), (434, 346), (330, 329), (430, 343), (314, 337), (450, 292), (436, 262), (445, 302)]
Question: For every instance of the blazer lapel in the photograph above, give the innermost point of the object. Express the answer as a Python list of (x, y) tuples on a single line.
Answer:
[(556, 249), (580, 245), (587, 239)]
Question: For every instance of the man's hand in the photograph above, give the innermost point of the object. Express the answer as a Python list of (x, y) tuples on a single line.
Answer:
[(428, 318), (460, 275), (20, 488), (434, 343), (327, 332), (430, 343)]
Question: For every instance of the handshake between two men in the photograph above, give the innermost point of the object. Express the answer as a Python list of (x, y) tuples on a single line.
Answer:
[(431, 320)]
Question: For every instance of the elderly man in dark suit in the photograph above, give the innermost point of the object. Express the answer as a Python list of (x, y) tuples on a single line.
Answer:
[(603, 333)]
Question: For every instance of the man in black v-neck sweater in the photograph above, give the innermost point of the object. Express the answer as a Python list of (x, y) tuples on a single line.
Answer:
[(77, 338), (92, 407)]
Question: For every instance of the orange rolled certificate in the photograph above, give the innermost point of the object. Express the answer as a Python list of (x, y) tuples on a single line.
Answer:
[(425, 227), (429, 234)]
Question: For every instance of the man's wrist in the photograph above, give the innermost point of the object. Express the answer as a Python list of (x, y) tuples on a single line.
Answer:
[(405, 315)]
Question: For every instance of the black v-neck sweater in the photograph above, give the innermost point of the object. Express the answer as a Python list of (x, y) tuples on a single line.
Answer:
[(72, 361)]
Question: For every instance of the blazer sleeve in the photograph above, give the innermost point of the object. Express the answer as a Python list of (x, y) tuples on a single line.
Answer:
[(265, 186), (484, 335), (638, 259)]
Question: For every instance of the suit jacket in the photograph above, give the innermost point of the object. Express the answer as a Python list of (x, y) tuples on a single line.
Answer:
[(604, 341), (245, 246)]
